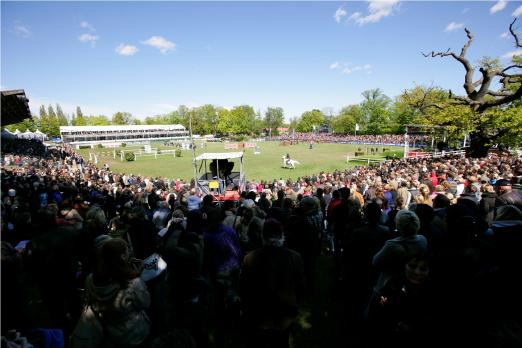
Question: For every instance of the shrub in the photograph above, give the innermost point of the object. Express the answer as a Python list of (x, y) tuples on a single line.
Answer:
[(85, 146), (123, 144), (359, 153), (99, 146), (129, 156), (391, 154), (178, 153)]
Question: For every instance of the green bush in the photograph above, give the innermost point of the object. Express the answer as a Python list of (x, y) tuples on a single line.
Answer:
[(99, 146), (178, 153), (85, 146), (392, 154), (129, 156), (123, 144), (359, 153)]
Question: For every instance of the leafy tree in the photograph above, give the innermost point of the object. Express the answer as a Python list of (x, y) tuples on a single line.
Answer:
[(79, 112), (122, 118), (487, 127), (44, 120), (53, 125), (274, 118), (62, 119), (100, 120), (198, 120), (309, 120), (183, 113), (243, 119), (224, 121), (209, 115), (158, 119), (412, 106), (375, 112), (174, 118), (345, 122), (78, 119)]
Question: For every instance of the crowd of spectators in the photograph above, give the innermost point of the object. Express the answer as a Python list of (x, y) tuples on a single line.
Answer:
[(365, 139), (426, 250)]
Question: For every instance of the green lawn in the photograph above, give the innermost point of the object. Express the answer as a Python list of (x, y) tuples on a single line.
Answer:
[(267, 165)]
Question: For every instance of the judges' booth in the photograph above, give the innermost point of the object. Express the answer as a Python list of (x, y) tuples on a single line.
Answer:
[(219, 173)]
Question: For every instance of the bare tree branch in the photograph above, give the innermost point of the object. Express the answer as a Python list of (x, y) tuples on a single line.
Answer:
[(500, 93), (517, 66), (477, 91), (512, 31)]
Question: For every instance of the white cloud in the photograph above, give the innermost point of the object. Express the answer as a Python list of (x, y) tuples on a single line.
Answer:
[(339, 14), (88, 38), (378, 9), (355, 16), (517, 12), (348, 68), (160, 43), (466, 10), (511, 54), (454, 26), (334, 65), (22, 30), (86, 25), (504, 35), (126, 50), (499, 6)]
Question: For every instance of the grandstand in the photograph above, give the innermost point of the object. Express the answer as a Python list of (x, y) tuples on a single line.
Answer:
[(90, 135)]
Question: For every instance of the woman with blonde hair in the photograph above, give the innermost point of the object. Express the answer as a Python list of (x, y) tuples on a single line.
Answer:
[(424, 191)]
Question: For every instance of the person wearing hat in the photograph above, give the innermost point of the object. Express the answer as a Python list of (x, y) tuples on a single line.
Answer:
[(506, 194), (271, 285)]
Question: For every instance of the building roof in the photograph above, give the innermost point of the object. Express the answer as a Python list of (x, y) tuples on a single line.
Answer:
[(15, 107), (121, 128)]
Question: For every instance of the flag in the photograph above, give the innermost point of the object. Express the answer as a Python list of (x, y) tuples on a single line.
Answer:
[(356, 126)]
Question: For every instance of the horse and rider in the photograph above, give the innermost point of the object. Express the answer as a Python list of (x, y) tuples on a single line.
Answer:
[(288, 162)]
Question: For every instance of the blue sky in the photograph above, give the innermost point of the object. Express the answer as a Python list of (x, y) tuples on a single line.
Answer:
[(148, 58)]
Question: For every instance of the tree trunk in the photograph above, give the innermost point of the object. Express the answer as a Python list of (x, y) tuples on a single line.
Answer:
[(478, 145)]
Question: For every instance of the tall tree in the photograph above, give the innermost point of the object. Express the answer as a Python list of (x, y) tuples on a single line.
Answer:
[(243, 119), (348, 117), (484, 100), (54, 127), (210, 118), (224, 123), (310, 120), (44, 120), (274, 118), (62, 119), (375, 111), (122, 118), (174, 118), (100, 120)]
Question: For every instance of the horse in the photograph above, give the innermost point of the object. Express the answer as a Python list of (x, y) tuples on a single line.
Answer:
[(289, 163)]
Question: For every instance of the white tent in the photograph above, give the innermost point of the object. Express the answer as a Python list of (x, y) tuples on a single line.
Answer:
[(39, 135), (6, 133)]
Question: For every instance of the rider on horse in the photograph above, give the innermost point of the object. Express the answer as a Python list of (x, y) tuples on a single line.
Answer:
[(287, 159)]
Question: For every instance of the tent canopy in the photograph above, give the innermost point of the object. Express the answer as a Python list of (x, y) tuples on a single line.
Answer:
[(219, 155)]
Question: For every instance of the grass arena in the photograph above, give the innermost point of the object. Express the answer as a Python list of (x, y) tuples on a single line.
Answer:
[(266, 165)]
